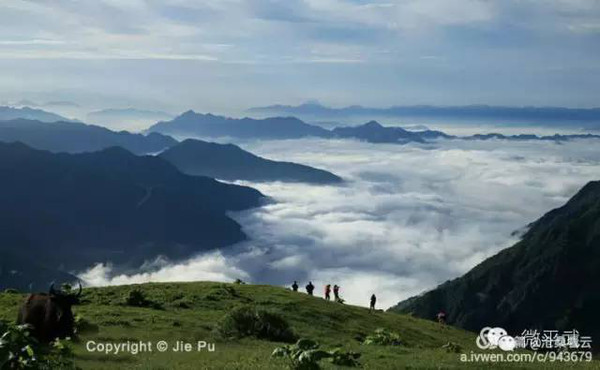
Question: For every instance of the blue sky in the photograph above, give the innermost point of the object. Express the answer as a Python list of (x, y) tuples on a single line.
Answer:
[(228, 55)]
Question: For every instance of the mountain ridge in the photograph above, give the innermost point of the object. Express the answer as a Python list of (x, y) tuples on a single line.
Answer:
[(230, 162), (465, 111), (75, 210), (77, 137), (548, 280), (209, 125), (10, 113)]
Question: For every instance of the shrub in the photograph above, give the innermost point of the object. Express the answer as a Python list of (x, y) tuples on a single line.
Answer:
[(383, 337), (83, 326), (452, 347), (305, 355), (182, 303), (249, 321), (18, 350), (342, 358), (137, 298), (11, 291), (221, 292)]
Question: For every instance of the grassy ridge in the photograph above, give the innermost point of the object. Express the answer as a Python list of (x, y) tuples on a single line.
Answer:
[(190, 311)]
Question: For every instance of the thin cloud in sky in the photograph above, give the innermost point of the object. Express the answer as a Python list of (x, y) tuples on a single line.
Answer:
[(341, 52)]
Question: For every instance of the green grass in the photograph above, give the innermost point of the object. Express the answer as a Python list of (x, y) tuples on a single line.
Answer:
[(189, 312)]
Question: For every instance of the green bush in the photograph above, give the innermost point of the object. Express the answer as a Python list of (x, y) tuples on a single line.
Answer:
[(452, 347), (222, 292), (383, 337), (250, 321), (83, 326), (305, 355), (18, 350), (11, 291), (137, 298)]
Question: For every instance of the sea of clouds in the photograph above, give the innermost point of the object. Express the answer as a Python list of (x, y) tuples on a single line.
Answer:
[(408, 217)]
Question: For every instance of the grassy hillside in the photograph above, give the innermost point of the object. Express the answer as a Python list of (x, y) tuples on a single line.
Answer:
[(190, 312)]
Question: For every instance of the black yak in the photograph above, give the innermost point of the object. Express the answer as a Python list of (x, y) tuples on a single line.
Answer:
[(49, 315)]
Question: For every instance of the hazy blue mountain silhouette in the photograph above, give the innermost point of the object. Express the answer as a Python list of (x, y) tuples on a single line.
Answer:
[(230, 162), (73, 210), (374, 132), (548, 280), (23, 273), (591, 115), (10, 113), (208, 125), (125, 114), (191, 123), (76, 137)]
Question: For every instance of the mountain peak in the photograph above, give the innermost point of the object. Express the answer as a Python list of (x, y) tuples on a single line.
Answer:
[(187, 113), (373, 124)]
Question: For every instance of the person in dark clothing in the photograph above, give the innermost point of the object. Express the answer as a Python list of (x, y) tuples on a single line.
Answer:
[(336, 293), (310, 288), (328, 292), (373, 301), (295, 286)]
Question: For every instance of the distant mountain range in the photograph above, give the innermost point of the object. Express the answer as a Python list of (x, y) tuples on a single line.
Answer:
[(127, 117), (549, 280), (69, 211), (230, 162), (76, 137), (207, 125), (314, 110), (20, 271), (195, 124), (194, 157), (374, 132), (10, 113)]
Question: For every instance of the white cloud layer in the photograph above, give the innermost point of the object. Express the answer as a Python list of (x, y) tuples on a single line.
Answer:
[(409, 218)]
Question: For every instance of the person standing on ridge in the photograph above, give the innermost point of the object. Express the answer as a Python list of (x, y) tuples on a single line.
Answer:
[(328, 292), (373, 301), (295, 286), (309, 288), (441, 317), (336, 293)]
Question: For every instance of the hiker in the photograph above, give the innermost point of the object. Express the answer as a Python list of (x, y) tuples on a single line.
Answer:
[(373, 301), (336, 293), (295, 286), (441, 317), (328, 292), (309, 288)]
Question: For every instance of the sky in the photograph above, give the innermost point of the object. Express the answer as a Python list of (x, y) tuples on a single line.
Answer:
[(408, 218), (226, 56)]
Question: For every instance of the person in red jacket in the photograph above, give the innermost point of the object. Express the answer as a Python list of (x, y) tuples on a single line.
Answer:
[(441, 317)]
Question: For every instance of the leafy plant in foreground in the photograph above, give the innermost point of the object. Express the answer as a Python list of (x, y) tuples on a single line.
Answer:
[(383, 337), (84, 326), (306, 354), (18, 350)]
